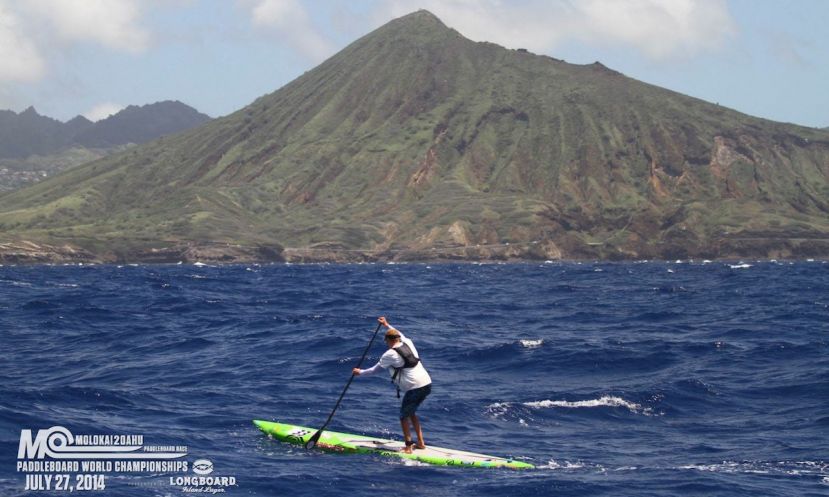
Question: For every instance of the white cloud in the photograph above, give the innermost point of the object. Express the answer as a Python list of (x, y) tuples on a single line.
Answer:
[(660, 29), (102, 111), (31, 30), (289, 20), (20, 59), (112, 23)]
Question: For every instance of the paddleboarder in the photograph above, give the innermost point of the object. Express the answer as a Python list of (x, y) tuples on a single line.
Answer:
[(408, 375)]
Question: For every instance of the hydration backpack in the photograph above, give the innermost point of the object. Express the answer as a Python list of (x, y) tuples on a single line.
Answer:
[(409, 361)]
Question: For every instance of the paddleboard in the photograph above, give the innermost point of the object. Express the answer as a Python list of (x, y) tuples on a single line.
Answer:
[(333, 441)]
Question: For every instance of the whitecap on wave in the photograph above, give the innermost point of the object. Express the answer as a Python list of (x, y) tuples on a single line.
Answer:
[(553, 464), (788, 468), (531, 344), (498, 409), (603, 401), (741, 265)]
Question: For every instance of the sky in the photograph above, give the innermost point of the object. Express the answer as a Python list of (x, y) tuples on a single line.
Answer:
[(767, 58)]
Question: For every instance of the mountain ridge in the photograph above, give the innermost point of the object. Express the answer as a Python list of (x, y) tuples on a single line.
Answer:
[(33, 147), (416, 143), (43, 135)]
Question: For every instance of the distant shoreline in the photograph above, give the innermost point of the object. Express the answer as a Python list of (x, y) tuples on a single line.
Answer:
[(512, 262), (27, 252)]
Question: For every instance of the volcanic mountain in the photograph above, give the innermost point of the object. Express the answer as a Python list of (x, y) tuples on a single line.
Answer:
[(416, 143)]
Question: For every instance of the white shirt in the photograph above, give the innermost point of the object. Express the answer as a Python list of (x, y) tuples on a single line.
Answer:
[(409, 378)]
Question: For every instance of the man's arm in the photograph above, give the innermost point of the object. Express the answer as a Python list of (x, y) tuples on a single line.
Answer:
[(367, 372), (389, 359)]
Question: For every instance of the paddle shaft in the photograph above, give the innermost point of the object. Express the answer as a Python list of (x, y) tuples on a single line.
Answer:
[(313, 440)]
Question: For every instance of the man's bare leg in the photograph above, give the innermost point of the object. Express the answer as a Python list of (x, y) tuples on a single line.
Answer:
[(407, 435), (416, 423)]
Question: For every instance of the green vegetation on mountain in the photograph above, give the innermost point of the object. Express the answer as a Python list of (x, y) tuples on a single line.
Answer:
[(17, 173), (416, 143)]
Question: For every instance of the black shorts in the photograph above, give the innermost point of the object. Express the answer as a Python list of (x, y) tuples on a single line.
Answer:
[(412, 400)]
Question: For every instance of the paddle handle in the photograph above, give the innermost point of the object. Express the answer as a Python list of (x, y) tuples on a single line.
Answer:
[(316, 436)]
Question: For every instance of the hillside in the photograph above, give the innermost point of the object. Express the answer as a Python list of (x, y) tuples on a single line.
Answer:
[(416, 143)]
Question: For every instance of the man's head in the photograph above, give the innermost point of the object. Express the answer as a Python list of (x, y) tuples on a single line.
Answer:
[(392, 337)]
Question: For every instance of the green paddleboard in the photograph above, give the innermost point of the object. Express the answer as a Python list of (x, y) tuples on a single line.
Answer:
[(359, 444)]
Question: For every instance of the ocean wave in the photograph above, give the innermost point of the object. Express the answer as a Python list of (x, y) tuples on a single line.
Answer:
[(499, 409), (504, 351), (603, 401), (571, 465), (788, 468), (581, 370)]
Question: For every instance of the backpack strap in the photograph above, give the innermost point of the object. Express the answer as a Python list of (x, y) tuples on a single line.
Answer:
[(409, 361)]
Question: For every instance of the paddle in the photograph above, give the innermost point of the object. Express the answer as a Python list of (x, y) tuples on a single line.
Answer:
[(315, 438)]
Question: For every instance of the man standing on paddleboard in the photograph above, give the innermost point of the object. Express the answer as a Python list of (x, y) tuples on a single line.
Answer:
[(410, 377)]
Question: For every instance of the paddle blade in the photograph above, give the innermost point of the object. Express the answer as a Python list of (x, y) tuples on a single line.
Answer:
[(312, 442)]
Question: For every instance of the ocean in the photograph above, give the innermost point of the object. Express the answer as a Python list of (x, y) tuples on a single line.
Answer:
[(640, 379)]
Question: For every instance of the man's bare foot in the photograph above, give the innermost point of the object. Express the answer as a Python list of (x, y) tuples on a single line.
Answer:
[(408, 448), (420, 446)]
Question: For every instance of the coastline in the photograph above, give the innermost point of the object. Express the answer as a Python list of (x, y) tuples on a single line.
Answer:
[(29, 253)]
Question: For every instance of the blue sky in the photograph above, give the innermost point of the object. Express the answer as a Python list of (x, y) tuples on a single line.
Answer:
[(768, 58)]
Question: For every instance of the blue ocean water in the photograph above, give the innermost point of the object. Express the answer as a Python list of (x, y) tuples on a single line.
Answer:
[(614, 379)]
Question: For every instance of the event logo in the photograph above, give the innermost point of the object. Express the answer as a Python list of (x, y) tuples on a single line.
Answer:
[(58, 443), (55, 459)]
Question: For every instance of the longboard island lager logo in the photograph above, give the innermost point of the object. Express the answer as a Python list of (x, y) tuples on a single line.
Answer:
[(203, 484)]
